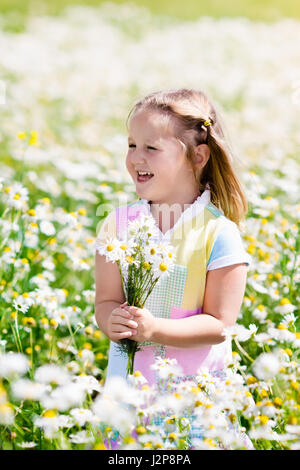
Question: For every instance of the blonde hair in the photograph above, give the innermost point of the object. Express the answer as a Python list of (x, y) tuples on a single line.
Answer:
[(190, 109)]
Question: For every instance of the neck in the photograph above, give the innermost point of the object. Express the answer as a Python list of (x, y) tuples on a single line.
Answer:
[(183, 202), (167, 214)]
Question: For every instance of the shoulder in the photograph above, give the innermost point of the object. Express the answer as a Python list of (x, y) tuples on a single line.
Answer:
[(108, 212), (218, 222), (226, 243), (115, 219), (106, 227)]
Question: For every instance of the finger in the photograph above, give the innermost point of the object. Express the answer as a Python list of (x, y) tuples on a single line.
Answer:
[(118, 328), (121, 317), (123, 305), (133, 334), (126, 308), (124, 321), (133, 338), (121, 313), (135, 311), (124, 334)]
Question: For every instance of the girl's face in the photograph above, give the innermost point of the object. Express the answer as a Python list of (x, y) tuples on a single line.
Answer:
[(154, 149)]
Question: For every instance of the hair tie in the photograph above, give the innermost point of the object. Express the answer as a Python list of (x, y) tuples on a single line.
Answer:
[(207, 122)]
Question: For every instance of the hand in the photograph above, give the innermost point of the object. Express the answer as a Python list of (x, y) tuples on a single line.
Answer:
[(146, 323), (121, 324)]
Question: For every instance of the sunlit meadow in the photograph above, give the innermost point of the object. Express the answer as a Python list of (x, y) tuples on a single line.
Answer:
[(66, 86)]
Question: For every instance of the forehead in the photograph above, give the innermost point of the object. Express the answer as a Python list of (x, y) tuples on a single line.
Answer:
[(151, 125)]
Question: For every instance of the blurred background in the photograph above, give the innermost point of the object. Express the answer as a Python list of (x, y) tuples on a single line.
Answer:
[(70, 72), (265, 10)]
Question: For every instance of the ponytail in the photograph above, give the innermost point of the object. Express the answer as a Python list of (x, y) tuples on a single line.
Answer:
[(226, 191)]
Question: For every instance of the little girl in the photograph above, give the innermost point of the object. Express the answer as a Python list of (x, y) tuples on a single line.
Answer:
[(181, 166)]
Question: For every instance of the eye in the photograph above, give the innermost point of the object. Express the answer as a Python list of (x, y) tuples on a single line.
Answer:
[(149, 147)]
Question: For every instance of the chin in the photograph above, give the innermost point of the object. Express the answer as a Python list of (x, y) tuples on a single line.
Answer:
[(141, 192)]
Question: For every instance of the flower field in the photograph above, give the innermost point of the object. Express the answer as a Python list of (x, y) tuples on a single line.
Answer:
[(67, 84)]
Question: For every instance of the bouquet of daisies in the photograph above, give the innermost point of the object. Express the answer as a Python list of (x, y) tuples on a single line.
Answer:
[(143, 262)]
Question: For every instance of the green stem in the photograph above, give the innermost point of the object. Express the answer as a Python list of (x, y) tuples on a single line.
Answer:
[(17, 331), (242, 350), (140, 287), (148, 291), (15, 338), (67, 345), (31, 346), (130, 361), (71, 332), (145, 285), (51, 346)]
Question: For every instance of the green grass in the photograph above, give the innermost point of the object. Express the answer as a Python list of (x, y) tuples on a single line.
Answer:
[(266, 10)]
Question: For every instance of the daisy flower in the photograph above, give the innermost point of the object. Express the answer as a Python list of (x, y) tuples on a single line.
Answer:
[(17, 196), (109, 248)]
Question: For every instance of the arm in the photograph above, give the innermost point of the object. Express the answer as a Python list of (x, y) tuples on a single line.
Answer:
[(110, 318), (223, 298)]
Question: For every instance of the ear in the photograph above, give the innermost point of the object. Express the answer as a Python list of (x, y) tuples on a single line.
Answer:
[(202, 154)]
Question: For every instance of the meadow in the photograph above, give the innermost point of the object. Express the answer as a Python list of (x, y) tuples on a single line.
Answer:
[(67, 83)]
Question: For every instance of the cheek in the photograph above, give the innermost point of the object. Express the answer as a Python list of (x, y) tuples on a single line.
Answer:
[(128, 163)]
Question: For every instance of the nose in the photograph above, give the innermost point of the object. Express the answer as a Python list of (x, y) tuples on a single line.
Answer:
[(136, 157)]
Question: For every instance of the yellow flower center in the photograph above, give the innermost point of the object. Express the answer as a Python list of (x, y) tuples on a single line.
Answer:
[(31, 212), (295, 385), (251, 380), (210, 442), (263, 419), (284, 301), (251, 249), (49, 414), (22, 135), (163, 267), (278, 401), (5, 408), (141, 430)]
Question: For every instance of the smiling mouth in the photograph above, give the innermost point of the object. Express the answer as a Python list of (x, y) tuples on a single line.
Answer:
[(143, 176)]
